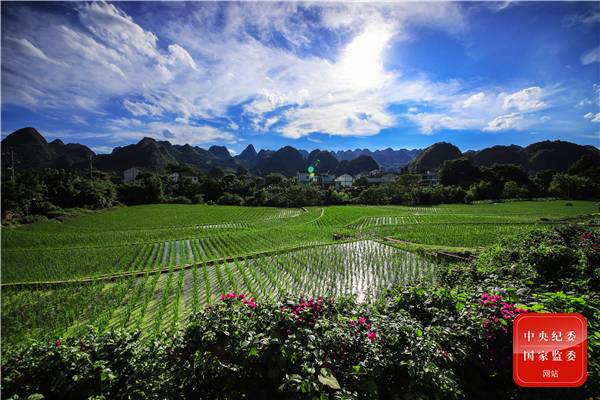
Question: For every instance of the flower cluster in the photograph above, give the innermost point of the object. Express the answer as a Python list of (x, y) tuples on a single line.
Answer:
[(232, 296), (500, 310), (488, 299), (361, 324), (304, 313), (587, 236), (299, 311), (510, 312), (590, 241)]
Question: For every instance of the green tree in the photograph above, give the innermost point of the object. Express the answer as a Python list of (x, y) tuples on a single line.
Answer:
[(459, 172), (97, 193), (573, 187), (512, 190)]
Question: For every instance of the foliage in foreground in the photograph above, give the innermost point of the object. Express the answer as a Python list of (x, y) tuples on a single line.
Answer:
[(412, 344), (451, 341)]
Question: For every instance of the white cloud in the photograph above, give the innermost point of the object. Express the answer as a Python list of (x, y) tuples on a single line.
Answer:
[(475, 99), (222, 56), (176, 133), (233, 126), (592, 117), (179, 55), (504, 122), (31, 50), (591, 56), (205, 71), (101, 149), (139, 109), (528, 99), (113, 26)]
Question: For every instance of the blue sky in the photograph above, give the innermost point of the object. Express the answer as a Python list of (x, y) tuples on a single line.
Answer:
[(312, 75)]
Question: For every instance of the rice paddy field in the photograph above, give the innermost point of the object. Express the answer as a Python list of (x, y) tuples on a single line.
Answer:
[(149, 267)]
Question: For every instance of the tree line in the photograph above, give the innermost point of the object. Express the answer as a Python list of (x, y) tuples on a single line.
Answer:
[(35, 195)]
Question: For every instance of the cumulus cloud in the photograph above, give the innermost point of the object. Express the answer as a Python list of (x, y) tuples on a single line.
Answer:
[(222, 55), (527, 99), (503, 122), (183, 69)]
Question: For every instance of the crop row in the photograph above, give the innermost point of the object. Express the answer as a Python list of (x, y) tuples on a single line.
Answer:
[(157, 302)]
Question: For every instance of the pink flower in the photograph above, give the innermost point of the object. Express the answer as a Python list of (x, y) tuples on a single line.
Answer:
[(371, 335), (250, 303), (487, 299), (352, 322), (362, 320), (586, 236)]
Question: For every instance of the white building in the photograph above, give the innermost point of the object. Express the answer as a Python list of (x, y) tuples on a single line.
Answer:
[(430, 178), (387, 178), (130, 174), (326, 179), (344, 180), (321, 179), (303, 177)]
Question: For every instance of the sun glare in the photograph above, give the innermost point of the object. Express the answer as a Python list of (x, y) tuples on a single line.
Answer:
[(361, 65)]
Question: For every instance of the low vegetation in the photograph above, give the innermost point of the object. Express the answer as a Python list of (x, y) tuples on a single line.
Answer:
[(445, 339), (129, 302)]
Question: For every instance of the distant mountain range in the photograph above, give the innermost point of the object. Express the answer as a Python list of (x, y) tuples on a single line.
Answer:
[(32, 151), (388, 159)]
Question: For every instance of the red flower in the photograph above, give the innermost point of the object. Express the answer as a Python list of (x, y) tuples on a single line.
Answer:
[(57, 343), (362, 320), (371, 336), (487, 299), (250, 303)]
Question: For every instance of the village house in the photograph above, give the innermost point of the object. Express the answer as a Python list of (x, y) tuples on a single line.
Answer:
[(386, 178), (325, 179), (131, 174), (343, 181), (430, 178), (303, 177), (321, 179)]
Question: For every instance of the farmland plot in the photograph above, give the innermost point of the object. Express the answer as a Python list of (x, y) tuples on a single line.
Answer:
[(167, 261), (161, 301), (363, 269)]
